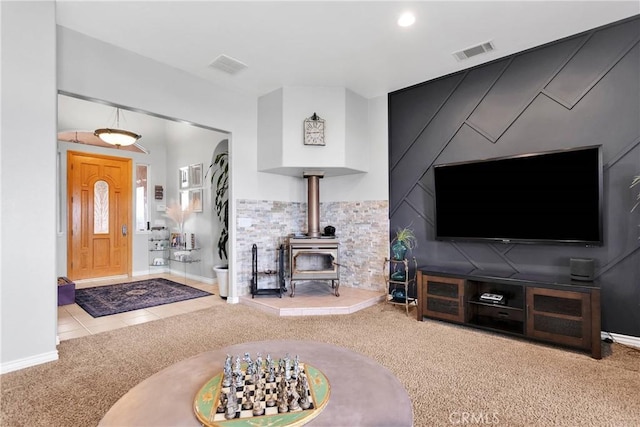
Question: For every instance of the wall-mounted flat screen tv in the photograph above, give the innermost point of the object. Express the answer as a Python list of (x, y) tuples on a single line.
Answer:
[(547, 198)]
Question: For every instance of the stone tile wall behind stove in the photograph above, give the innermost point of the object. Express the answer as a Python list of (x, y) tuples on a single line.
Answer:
[(362, 229)]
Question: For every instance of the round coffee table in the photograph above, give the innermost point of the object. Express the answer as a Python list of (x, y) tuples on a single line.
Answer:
[(363, 393)]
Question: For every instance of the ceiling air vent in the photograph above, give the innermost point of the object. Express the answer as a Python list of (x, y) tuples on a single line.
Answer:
[(227, 64), (474, 50)]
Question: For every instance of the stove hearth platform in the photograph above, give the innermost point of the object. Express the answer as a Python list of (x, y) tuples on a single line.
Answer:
[(316, 298)]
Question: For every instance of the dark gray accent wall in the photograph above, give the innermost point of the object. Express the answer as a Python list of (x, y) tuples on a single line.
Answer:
[(580, 91)]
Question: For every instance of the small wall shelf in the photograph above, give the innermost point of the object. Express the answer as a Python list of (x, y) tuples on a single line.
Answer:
[(184, 256), (159, 248)]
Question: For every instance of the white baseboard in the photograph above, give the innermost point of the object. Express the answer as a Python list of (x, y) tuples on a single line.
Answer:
[(98, 279), (207, 280), (155, 270), (27, 362), (622, 339)]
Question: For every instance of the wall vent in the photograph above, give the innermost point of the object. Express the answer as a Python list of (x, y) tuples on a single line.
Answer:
[(474, 50), (227, 64)]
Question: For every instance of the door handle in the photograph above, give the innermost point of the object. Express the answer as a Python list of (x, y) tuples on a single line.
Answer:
[(124, 230)]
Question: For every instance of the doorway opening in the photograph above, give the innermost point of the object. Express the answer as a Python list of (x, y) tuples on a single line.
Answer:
[(164, 140)]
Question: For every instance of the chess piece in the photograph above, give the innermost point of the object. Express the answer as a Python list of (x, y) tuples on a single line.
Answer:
[(269, 360), (272, 372), (258, 363), (223, 403), (296, 367), (247, 403), (238, 379), (250, 367), (232, 404), (237, 367), (303, 390), (258, 408), (227, 377), (271, 401), (283, 405), (259, 390), (287, 367), (238, 375), (294, 397)]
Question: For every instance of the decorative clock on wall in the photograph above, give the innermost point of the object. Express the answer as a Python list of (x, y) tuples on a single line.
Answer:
[(314, 130)]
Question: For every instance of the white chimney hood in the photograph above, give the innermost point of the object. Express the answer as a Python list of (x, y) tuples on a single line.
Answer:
[(281, 116)]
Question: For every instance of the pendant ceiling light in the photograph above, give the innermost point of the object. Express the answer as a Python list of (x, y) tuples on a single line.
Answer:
[(117, 137)]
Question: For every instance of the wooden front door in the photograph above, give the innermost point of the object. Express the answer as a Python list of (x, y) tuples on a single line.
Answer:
[(99, 215)]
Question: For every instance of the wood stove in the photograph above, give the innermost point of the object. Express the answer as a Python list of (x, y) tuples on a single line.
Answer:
[(314, 256)]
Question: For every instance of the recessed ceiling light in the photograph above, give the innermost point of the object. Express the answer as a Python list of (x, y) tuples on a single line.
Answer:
[(406, 19)]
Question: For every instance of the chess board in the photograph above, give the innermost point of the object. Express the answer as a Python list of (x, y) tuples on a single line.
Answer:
[(208, 399)]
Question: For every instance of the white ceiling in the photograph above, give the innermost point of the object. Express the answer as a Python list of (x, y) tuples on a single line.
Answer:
[(356, 45)]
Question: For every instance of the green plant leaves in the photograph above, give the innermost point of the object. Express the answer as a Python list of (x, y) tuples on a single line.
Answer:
[(220, 178)]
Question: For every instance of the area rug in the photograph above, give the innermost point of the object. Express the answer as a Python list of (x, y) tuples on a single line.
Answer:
[(112, 299)]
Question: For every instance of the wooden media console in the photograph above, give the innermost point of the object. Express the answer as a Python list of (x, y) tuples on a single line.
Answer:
[(543, 308)]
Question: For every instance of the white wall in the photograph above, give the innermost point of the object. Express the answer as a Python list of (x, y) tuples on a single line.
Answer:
[(373, 185), (281, 116), (189, 145), (300, 103), (270, 126), (28, 294), (358, 141)]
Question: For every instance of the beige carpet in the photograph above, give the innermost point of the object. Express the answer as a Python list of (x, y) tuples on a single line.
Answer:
[(451, 373)]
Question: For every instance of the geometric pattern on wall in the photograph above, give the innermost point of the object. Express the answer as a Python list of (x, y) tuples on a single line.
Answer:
[(580, 91)]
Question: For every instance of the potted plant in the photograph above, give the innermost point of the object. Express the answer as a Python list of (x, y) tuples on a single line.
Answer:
[(220, 184), (404, 241)]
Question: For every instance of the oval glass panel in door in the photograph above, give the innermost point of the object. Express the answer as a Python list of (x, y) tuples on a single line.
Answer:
[(101, 207)]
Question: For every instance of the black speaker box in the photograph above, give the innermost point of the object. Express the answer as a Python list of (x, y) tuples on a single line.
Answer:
[(581, 269)]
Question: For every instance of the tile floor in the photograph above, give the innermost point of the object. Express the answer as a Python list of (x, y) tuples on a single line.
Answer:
[(312, 298), (74, 322)]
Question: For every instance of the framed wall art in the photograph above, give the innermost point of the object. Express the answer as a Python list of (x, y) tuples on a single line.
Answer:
[(176, 240), (195, 199), (195, 175), (183, 178)]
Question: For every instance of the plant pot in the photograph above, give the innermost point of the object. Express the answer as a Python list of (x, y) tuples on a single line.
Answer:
[(399, 250), (222, 275)]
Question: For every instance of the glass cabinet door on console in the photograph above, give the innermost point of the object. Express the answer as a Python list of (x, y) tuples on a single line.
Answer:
[(559, 316), (441, 298)]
